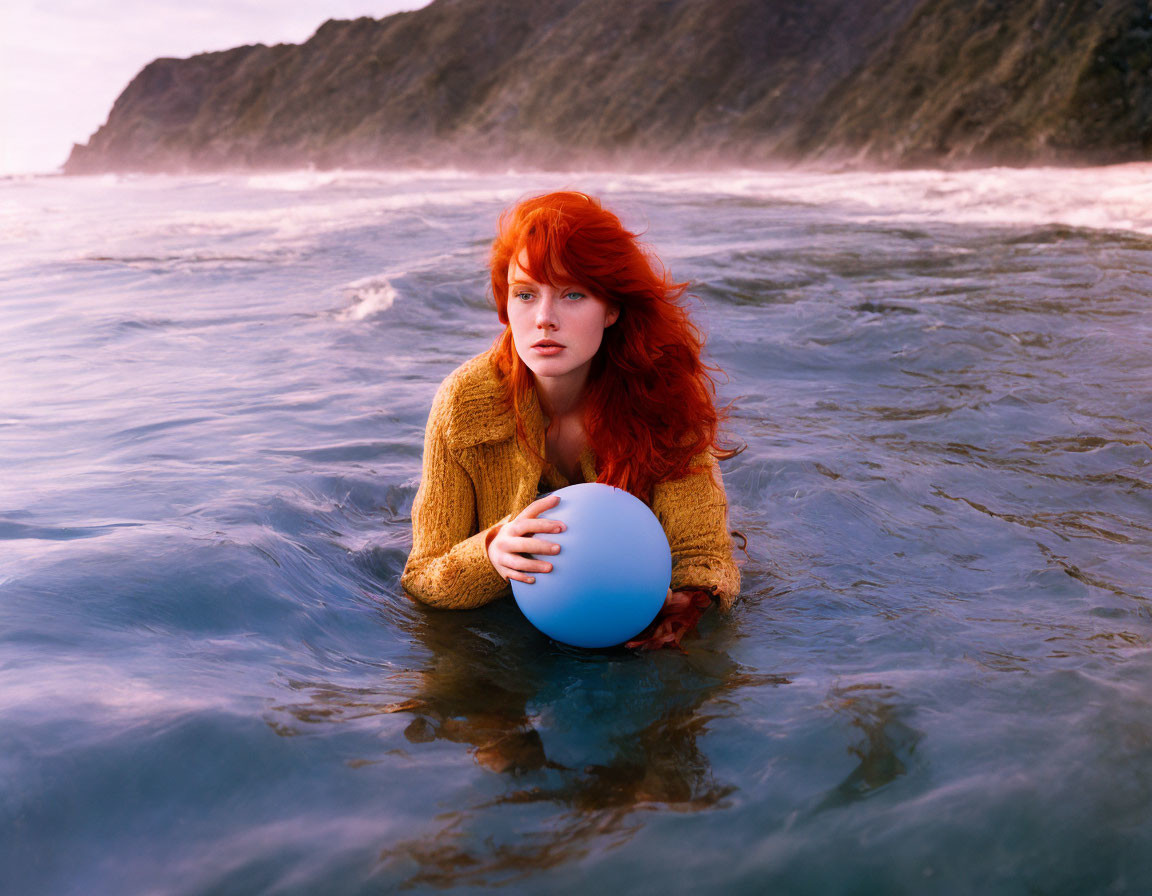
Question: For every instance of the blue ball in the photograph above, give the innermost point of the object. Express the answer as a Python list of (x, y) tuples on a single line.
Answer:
[(612, 573)]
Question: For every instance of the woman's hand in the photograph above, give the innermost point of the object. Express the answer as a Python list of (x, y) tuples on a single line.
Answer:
[(514, 540), (679, 615)]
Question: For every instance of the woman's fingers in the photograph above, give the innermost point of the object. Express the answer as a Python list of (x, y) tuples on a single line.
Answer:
[(528, 526), (531, 546), (681, 612), (525, 564), (510, 548), (521, 568), (539, 506), (513, 562), (518, 576), (677, 601)]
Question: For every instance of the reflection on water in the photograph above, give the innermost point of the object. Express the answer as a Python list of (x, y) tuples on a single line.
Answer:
[(888, 746), (492, 685)]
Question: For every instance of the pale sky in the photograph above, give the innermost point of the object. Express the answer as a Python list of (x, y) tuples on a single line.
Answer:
[(64, 62)]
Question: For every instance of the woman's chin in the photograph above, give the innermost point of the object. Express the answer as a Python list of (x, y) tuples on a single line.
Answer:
[(551, 367)]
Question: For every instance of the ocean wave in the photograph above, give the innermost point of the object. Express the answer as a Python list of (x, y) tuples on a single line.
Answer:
[(369, 296), (1116, 197)]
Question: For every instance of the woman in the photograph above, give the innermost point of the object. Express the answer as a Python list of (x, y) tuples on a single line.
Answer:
[(597, 377)]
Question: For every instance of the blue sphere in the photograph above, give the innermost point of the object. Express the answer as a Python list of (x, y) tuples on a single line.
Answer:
[(612, 573)]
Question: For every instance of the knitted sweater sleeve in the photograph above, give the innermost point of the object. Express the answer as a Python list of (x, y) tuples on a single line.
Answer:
[(448, 566), (694, 513)]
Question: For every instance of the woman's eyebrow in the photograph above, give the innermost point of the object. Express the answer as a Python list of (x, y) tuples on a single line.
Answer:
[(532, 284)]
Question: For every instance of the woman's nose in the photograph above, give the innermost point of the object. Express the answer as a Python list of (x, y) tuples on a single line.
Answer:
[(546, 313)]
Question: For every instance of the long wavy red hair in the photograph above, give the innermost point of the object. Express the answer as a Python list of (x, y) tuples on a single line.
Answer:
[(650, 401)]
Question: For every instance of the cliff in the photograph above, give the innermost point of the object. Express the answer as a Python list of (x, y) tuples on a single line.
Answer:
[(556, 83)]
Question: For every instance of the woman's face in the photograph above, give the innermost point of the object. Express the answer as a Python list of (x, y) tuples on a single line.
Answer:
[(556, 328)]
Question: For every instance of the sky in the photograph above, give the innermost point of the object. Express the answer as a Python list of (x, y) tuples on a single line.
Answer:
[(64, 62)]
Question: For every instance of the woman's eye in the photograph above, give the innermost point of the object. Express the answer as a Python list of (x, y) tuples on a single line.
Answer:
[(575, 295), (524, 296)]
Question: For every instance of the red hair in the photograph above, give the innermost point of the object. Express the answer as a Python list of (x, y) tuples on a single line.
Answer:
[(650, 404)]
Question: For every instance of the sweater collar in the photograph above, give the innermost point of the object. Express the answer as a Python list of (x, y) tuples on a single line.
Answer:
[(482, 415), (482, 418)]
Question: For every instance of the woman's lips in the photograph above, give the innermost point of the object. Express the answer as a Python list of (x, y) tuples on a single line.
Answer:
[(547, 348)]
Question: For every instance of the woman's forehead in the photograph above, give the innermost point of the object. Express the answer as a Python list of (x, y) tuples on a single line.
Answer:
[(521, 269)]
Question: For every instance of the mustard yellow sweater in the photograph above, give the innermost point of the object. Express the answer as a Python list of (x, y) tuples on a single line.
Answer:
[(477, 476)]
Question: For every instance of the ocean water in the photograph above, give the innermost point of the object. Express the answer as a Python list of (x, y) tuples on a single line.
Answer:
[(938, 677)]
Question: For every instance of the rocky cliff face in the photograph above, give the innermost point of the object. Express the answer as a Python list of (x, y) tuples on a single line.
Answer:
[(556, 83), (997, 81)]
